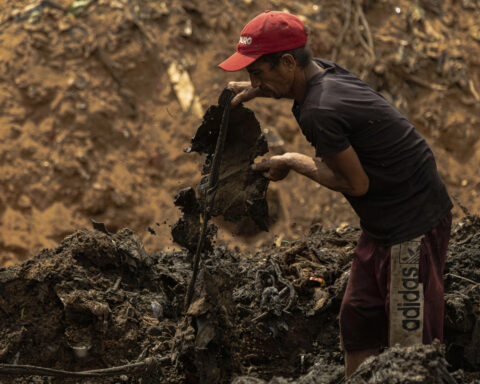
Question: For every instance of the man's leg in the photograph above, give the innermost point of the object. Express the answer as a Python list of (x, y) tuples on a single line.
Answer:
[(353, 359), (432, 262), (363, 319)]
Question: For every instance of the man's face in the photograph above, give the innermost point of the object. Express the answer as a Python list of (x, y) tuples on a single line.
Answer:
[(274, 82)]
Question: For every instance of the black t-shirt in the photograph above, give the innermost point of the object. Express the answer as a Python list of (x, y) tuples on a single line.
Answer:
[(406, 197)]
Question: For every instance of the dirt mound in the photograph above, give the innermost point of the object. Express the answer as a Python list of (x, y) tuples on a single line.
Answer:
[(418, 364), (462, 298), (100, 300), (95, 293), (99, 98), (422, 364)]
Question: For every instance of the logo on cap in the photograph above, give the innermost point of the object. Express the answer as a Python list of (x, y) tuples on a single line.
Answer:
[(245, 40)]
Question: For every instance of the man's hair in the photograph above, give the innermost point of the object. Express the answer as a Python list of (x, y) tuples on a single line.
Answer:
[(302, 55)]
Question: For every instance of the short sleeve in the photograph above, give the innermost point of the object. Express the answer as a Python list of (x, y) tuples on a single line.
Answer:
[(325, 130)]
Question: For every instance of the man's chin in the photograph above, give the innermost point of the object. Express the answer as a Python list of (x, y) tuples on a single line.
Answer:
[(272, 94)]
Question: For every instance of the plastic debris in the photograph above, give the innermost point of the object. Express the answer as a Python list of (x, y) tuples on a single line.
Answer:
[(79, 6), (319, 280), (188, 29), (184, 89), (35, 16)]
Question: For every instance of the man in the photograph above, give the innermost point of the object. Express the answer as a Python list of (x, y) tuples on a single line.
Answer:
[(368, 151)]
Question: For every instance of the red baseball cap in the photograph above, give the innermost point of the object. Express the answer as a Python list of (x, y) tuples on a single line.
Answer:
[(269, 32)]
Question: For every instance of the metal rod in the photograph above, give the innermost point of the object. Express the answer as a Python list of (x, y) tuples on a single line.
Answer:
[(225, 101)]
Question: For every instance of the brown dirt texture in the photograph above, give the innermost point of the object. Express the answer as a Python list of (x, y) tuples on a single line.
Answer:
[(100, 97)]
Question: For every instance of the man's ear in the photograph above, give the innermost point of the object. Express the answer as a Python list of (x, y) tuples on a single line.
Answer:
[(289, 61)]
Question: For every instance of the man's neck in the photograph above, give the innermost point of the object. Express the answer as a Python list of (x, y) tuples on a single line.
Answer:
[(302, 76)]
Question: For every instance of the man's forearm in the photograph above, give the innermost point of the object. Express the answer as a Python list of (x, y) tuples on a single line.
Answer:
[(317, 170), (341, 172)]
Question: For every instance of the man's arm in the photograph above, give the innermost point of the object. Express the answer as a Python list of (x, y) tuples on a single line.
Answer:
[(341, 172)]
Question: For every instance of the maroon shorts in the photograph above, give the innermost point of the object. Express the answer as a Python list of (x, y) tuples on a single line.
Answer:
[(365, 306)]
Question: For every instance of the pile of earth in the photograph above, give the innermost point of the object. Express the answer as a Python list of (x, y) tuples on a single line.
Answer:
[(99, 97), (101, 300)]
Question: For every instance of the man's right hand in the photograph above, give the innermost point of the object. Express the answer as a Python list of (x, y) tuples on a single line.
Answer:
[(243, 91), (275, 168)]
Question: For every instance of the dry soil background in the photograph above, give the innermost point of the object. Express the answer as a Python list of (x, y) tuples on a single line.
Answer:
[(96, 106)]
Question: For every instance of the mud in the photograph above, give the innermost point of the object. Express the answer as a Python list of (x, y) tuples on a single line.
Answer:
[(462, 299), (239, 195), (100, 300), (420, 364), (186, 231), (92, 126), (241, 192)]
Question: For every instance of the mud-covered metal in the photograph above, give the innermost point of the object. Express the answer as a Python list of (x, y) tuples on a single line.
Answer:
[(241, 191)]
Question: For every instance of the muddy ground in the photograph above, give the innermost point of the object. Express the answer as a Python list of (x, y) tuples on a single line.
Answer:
[(99, 98), (100, 300)]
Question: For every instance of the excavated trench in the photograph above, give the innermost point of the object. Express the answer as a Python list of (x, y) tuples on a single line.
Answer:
[(100, 300)]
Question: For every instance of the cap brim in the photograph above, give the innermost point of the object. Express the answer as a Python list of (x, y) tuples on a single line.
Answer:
[(237, 62)]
